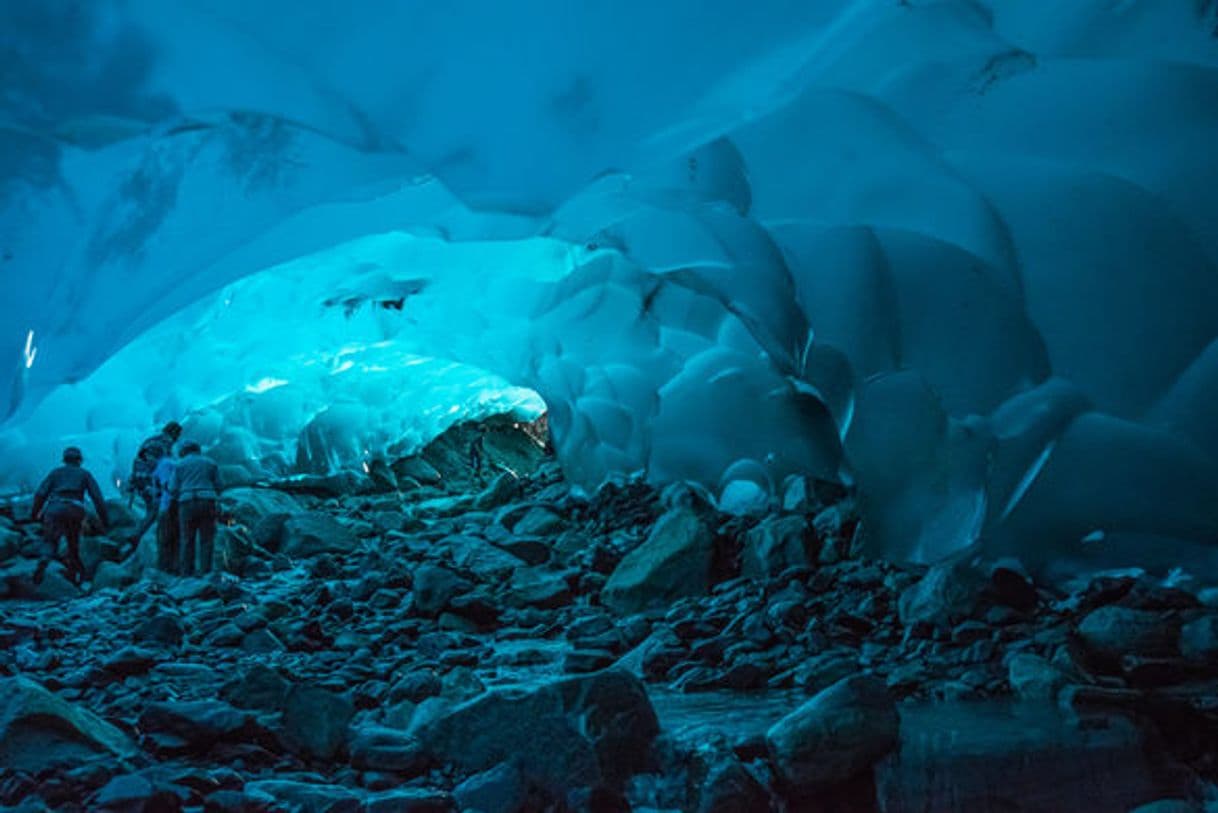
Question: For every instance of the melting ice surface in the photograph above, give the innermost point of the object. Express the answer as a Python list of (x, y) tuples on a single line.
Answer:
[(961, 253)]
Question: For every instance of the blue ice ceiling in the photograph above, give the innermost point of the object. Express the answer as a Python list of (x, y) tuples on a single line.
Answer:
[(959, 252)]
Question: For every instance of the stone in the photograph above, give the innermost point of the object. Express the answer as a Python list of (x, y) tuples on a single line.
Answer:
[(258, 687), (376, 748), (135, 792), (197, 723), (1035, 678), (41, 731), (416, 687), (563, 734), (774, 545), (435, 587), (1199, 639), (825, 669), (314, 533), (835, 735), (674, 562), (797, 497), (730, 788), (538, 521), (499, 790), (165, 629), (503, 489), (303, 797), (261, 640), (1111, 633), (248, 506), (947, 594), (535, 587), (315, 721), (112, 576)]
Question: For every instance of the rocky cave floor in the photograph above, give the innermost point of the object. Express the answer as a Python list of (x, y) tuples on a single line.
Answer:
[(504, 645)]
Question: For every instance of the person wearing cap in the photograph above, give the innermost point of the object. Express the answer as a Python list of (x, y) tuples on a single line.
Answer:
[(141, 482), (195, 487), (59, 503)]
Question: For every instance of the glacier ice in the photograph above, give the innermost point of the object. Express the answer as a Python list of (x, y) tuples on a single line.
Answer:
[(961, 253)]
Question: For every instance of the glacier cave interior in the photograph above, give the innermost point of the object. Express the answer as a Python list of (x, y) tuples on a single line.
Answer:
[(693, 405)]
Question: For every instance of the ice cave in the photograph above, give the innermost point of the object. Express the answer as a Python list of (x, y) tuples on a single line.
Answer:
[(693, 405)]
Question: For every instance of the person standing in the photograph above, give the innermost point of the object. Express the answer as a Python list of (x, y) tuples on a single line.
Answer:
[(140, 483), (195, 488), (167, 516), (59, 503)]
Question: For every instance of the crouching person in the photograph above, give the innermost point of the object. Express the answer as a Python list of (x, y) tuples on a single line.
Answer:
[(194, 488)]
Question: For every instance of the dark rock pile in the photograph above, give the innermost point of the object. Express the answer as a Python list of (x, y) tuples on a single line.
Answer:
[(505, 645)]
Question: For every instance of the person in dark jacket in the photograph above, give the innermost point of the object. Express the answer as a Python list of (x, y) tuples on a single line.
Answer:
[(141, 483), (477, 450), (59, 503), (195, 489)]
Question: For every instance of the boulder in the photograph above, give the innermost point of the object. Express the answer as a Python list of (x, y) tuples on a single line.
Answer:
[(674, 562), (40, 730), (135, 791), (435, 587), (199, 724), (1199, 639), (835, 735), (1110, 633), (247, 506), (776, 544), (165, 629), (538, 521), (947, 594), (376, 748), (589, 731), (730, 788), (502, 489), (499, 790), (259, 687), (114, 576), (313, 533), (1035, 678), (315, 721)]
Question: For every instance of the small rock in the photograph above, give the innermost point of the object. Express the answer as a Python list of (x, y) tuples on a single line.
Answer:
[(1110, 633), (1199, 639)]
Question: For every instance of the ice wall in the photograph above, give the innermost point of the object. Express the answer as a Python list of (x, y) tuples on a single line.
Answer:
[(961, 252)]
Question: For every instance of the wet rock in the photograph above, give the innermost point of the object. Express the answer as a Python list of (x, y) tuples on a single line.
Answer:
[(564, 734), (314, 533), (376, 748), (499, 790), (18, 579), (315, 721), (261, 641), (674, 562), (128, 661), (40, 731), (777, 543), (822, 671), (835, 735), (586, 660), (1111, 633), (435, 587), (1199, 639)]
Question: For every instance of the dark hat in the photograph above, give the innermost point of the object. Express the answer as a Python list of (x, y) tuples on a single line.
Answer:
[(173, 429), (73, 455)]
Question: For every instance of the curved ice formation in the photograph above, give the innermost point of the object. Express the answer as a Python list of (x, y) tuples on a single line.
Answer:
[(961, 252)]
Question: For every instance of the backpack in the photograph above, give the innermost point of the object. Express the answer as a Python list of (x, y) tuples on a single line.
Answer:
[(150, 453)]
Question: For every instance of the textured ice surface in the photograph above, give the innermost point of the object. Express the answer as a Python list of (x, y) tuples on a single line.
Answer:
[(960, 252)]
